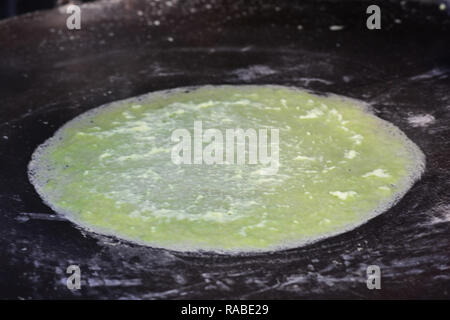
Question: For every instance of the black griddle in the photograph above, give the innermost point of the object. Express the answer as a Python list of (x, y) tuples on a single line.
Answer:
[(48, 75)]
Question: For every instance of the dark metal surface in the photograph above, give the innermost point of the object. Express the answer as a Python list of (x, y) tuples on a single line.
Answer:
[(49, 74)]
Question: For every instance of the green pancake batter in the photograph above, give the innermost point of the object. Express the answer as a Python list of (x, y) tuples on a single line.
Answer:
[(111, 170)]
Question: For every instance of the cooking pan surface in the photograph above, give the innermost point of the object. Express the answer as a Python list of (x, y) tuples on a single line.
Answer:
[(48, 75)]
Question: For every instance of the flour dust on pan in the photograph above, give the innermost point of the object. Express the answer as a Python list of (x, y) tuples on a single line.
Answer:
[(155, 169)]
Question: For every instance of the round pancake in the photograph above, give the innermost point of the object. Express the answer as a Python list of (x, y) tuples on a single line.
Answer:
[(121, 169)]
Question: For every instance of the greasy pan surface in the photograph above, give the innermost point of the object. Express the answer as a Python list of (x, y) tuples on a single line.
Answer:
[(48, 75)]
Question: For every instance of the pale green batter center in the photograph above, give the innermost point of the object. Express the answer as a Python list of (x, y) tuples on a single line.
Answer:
[(112, 170)]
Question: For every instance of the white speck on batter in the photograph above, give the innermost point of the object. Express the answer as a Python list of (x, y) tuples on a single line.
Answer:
[(350, 154), (311, 114), (380, 173), (304, 158), (357, 138), (343, 195)]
